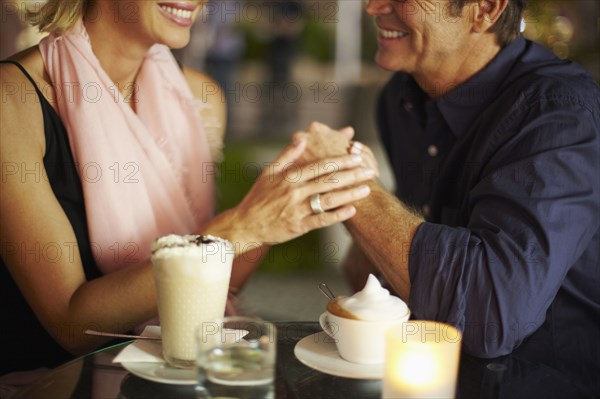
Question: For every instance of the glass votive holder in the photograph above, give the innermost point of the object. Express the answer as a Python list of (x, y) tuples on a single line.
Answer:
[(421, 361)]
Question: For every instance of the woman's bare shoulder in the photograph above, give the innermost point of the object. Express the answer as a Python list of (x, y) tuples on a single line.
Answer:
[(22, 122), (31, 60), (199, 81), (214, 113), (205, 88)]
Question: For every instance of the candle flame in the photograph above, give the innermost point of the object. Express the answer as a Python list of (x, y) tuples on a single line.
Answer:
[(418, 367)]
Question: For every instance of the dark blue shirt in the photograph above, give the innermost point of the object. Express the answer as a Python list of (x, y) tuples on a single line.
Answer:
[(506, 170)]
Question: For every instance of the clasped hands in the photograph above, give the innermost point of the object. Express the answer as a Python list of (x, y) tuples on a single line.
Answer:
[(311, 184)]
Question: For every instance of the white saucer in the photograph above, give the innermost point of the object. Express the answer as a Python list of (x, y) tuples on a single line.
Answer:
[(318, 351), (161, 372)]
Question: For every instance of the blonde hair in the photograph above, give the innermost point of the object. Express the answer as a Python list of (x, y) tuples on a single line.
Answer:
[(57, 15)]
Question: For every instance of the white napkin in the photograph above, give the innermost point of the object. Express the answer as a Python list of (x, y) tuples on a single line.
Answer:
[(142, 350), (148, 351)]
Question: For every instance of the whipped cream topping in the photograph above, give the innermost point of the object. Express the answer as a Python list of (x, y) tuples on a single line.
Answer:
[(176, 245), (374, 303)]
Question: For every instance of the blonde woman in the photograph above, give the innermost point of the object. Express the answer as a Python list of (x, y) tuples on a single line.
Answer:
[(104, 148)]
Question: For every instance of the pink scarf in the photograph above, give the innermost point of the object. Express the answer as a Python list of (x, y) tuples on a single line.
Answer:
[(143, 174)]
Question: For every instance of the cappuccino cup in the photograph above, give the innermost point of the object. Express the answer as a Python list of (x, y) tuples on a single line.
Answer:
[(359, 341)]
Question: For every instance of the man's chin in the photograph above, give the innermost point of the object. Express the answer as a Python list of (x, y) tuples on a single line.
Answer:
[(386, 63), (387, 67)]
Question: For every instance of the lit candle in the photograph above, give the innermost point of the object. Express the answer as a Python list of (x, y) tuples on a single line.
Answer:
[(421, 360)]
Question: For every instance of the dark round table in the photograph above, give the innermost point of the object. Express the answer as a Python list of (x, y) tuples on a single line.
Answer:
[(95, 376)]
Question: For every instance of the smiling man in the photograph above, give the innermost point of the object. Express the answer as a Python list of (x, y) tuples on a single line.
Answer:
[(442, 43), (494, 144)]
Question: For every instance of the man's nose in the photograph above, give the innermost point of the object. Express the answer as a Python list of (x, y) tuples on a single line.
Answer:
[(378, 7)]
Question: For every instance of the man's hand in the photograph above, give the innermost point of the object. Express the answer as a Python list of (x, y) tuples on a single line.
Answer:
[(324, 142)]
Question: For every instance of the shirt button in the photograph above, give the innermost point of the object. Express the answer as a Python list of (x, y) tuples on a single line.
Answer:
[(425, 209), (432, 150), (408, 106)]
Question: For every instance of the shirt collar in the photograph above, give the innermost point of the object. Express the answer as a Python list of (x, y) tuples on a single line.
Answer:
[(463, 104)]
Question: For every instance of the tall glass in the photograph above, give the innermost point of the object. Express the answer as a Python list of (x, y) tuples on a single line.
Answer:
[(192, 276)]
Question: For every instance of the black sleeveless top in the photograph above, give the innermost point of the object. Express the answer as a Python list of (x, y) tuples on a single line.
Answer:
[(25, 343)]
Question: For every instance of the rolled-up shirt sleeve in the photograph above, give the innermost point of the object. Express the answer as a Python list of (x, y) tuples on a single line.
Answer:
[(531, 213)]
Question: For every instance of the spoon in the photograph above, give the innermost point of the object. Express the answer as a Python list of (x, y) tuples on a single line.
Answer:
[(326, 291), (107, 334)]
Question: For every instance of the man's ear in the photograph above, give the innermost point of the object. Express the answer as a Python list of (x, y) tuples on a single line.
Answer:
[(487, 13)]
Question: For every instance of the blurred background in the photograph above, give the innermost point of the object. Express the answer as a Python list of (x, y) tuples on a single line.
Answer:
[(285, 63)]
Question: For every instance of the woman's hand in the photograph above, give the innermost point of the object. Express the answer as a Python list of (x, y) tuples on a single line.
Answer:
[(278, 206)]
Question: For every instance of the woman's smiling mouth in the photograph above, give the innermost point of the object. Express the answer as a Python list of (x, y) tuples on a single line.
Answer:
[(180, 13)]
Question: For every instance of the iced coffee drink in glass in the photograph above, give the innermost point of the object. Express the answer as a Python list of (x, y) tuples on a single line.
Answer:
[(192, 276)]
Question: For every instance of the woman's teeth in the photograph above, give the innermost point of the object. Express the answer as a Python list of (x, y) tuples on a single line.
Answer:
[(177, 12), (391, 34)]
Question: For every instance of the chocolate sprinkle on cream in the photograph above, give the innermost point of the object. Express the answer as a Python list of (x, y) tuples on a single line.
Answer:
[(176, 241)]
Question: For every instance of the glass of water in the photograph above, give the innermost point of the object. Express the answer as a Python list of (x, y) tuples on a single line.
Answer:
[(236, 358)]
